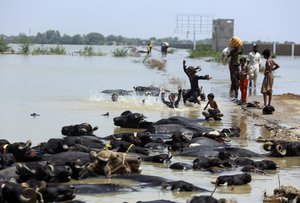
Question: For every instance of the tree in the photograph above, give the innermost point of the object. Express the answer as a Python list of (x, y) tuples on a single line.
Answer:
[(3, 45), (77, 39), (24, 43), (94, 38)]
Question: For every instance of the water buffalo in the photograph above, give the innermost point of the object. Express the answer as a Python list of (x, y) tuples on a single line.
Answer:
[(6, 160), (180, 166), (177, 125), (131, 120), (101, 188), (123, 146), (138, 139), (43, 171), (120, 92), (21, 151), (205, 163), (147, 91), (238, 179), (160, 158), (203, 199), (78, 129), (283, 148), (182, 186)]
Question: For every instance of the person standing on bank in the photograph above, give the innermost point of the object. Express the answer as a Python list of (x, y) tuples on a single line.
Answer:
[(267, 85), (234, 73), (244, 72), (254, 65)]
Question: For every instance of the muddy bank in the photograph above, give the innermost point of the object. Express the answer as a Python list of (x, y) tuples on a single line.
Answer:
[(284, 123)]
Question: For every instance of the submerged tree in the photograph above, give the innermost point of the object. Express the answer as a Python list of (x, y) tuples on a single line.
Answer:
[(3, 45), (24, 45)]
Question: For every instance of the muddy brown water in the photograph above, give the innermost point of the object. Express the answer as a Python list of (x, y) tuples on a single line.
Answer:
[(65, 90)]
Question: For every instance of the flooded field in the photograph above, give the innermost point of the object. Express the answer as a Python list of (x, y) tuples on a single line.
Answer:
[(66, 90)]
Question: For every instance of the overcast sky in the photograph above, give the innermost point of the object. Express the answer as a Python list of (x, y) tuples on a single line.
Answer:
[(267, 20)]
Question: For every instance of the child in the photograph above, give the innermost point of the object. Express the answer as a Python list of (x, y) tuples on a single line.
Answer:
[(213, 111), (267, 84), (194, 92), (172, 103), (244, 72)]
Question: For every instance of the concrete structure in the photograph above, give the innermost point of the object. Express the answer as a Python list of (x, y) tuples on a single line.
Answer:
[(223, 29)]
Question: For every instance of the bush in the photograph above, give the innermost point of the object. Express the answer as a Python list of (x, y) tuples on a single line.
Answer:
[(3, 45), (205, 50), (24, 44), (120, 52), (59, 50), (40, 51)]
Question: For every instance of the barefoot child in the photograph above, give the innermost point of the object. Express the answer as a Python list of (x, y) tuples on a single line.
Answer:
[(244, 72), (213, 111), (267, 85)]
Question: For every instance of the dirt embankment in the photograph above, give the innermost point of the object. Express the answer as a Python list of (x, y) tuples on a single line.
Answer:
[(284, 123)]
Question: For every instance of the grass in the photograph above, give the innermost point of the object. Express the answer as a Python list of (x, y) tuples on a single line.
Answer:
[(205, 51), (89, 51), (120, 52), (58, 50)]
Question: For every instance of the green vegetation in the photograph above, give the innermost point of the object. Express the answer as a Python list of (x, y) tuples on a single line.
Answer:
[(3, 45), (89, 51), (54, 37), (205, 51), (24, 44), (58, 50), (120, 52), (40, 51)]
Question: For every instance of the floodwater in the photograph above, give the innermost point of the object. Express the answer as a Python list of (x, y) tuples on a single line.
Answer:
[(65, 90)]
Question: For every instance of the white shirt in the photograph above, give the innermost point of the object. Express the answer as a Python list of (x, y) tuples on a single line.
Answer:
[(254, 62)]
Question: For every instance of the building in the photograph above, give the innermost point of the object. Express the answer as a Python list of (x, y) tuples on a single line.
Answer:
[(223, 29)]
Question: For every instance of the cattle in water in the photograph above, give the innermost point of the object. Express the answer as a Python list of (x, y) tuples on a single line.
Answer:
[(78, 129), (238, 179), (21, 151), (131, 120), (282, 148), (182, 186)]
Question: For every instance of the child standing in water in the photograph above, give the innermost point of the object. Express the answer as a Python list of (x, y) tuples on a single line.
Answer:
[(267, 85), (244, 72)]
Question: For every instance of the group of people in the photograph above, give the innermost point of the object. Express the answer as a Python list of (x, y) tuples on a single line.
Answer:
[(244, 72), (163, 48), (193, 94)]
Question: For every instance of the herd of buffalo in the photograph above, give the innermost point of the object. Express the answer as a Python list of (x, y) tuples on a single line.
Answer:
[(43, 173)]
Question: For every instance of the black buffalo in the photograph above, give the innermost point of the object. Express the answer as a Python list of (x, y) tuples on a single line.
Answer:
[(131, 120)]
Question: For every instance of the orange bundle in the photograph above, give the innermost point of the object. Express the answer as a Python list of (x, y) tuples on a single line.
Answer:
[(236, 42)]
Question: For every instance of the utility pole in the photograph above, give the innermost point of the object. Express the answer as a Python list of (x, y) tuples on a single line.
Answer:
[(194, 23)]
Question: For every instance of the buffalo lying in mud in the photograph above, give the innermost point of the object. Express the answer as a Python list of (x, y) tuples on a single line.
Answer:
[(131, 120), (78, 129), (283, 148), (20, 150), (238, 179)]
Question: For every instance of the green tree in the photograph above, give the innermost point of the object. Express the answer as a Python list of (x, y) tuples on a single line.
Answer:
[(77, 39), (94, 38), (24, 45), (3, 45)]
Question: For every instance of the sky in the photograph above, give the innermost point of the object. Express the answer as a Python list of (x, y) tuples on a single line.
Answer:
[(266, 20)]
